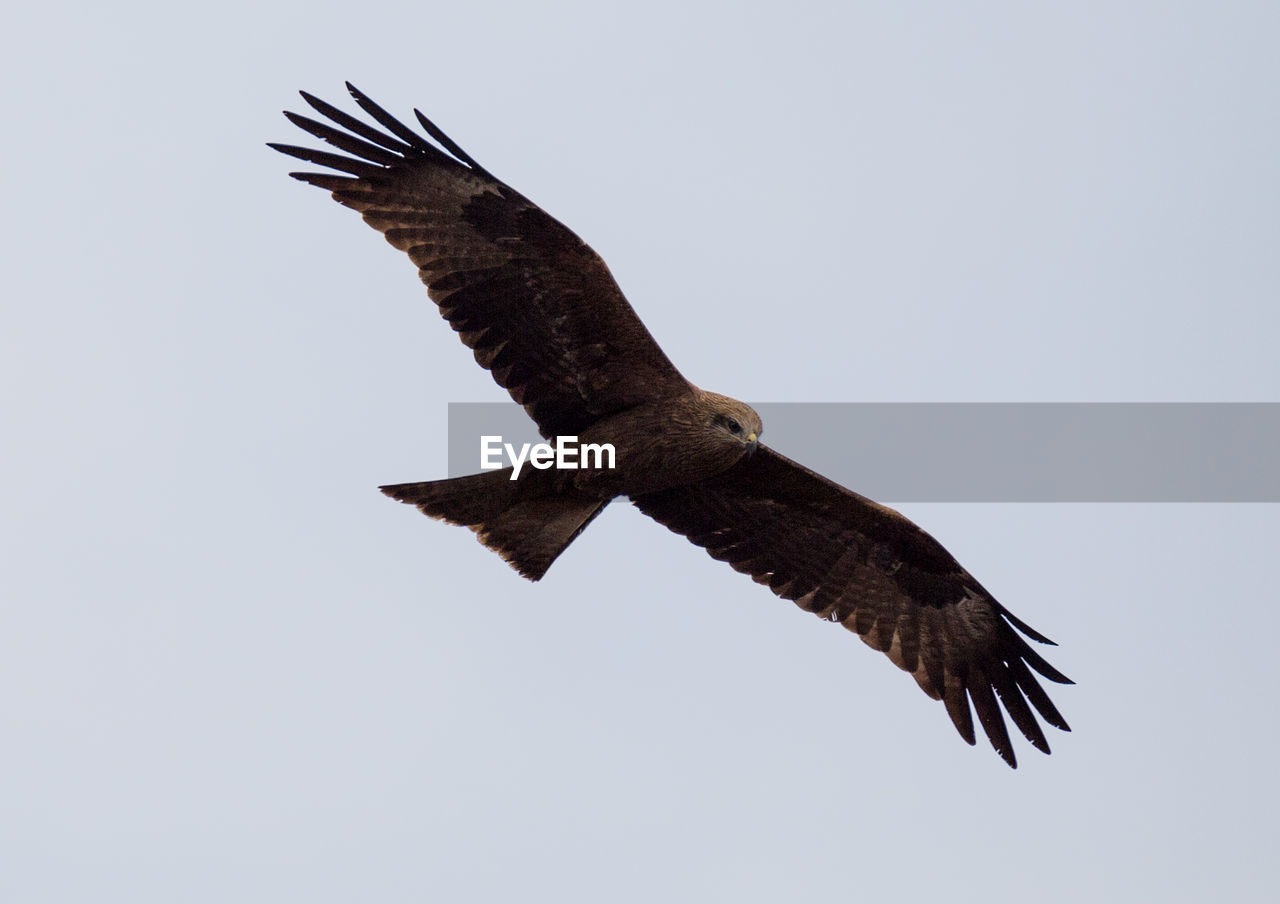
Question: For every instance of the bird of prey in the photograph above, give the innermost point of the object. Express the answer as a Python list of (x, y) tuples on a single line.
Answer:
[(541, 312)]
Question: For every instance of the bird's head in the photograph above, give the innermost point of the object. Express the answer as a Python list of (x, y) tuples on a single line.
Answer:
[(731, 422)]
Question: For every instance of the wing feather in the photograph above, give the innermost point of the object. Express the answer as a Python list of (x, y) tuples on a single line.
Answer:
[(355, 126), (341, 139), (848, 559)]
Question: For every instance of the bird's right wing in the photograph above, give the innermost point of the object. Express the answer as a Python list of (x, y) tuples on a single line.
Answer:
[(537, 306)]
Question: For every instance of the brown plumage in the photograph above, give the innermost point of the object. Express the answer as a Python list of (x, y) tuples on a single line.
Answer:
[(541, 312)]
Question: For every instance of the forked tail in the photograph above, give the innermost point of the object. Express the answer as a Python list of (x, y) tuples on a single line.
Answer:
[(529, 533)]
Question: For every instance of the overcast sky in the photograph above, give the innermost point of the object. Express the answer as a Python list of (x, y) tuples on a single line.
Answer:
[(230, 670)]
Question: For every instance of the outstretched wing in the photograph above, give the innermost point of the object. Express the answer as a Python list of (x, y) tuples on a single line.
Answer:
[(537, 306), (853, 561)]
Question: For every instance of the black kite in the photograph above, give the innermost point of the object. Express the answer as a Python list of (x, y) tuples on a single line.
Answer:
[(542, 313)]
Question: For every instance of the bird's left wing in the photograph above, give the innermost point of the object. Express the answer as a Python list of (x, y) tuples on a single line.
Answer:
[(850, 560)]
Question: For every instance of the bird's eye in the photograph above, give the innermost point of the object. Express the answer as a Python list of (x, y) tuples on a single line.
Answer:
[(731, 425)]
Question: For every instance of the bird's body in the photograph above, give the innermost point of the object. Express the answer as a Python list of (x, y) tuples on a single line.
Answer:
[(532, 518), (541, 312)]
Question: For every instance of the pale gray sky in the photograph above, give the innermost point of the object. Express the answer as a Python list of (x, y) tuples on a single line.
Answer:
[(231, 670)]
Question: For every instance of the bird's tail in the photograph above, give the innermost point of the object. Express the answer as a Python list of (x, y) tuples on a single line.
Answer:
[(529, 533)]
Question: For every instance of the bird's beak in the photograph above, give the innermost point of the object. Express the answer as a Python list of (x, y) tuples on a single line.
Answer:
[(753, 443), (752, 438)]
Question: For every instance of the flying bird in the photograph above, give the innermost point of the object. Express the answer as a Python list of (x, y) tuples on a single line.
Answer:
[(541, 312)]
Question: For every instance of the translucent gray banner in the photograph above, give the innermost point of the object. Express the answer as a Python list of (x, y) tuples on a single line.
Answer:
[(992, 452)]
